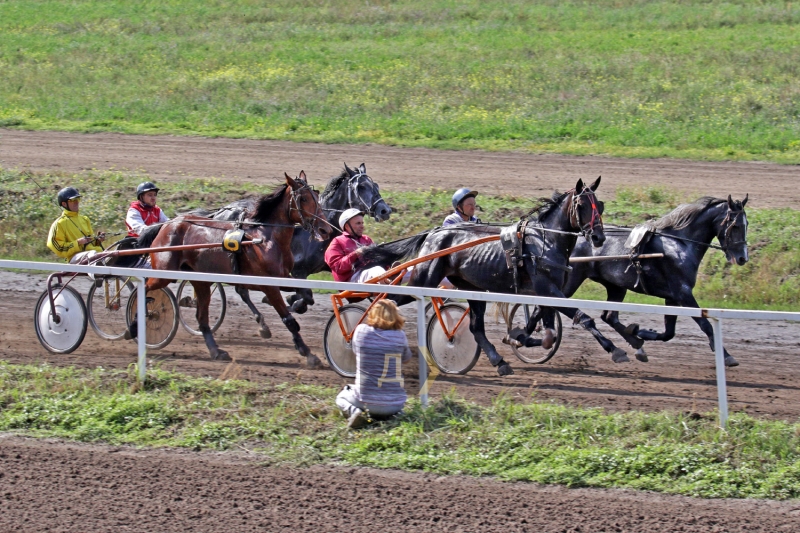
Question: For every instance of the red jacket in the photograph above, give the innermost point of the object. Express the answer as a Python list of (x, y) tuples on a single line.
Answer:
[(341, 255), (140, 216)]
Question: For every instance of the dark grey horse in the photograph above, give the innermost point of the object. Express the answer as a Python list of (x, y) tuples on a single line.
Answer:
[(683, 236), (351, 188), (548, 242)]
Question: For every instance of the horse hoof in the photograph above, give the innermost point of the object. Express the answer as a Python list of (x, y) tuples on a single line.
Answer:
[(265, 333), (504, 369), (549, 339), (299, 307), (619, 356), (632, 329), (730, 361), (221, 355), (641, 355), (313, 362)]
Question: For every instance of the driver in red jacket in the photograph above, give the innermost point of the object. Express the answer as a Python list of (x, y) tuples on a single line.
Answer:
[(143, 211), (344, 253)]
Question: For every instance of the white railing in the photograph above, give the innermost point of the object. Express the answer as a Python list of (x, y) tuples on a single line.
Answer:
[(715, 316)]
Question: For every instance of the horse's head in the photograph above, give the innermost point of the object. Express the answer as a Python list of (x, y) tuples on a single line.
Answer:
[(732, 234), (304, 207), (586, 212), (364, 194)]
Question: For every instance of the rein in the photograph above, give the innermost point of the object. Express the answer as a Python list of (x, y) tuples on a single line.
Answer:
[(352, 191)]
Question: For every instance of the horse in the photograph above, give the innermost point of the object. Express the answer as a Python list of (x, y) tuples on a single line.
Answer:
[(547, 243), (351, 188), (683, 236), (271, 218)]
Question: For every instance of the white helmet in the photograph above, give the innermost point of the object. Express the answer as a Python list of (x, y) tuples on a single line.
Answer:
[(345, 217)]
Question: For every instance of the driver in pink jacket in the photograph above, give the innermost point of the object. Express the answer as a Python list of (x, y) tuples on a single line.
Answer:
[(344, 253)]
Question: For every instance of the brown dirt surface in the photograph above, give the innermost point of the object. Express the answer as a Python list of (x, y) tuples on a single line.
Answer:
[(55, 486), (166, 158)]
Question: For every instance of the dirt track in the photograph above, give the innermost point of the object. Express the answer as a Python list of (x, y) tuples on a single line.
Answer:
[(164, 158), (100, 489)]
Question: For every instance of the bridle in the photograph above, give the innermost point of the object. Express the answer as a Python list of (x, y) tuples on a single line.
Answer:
[(587, 230), (307, 220), (354, 200), (730, 220)]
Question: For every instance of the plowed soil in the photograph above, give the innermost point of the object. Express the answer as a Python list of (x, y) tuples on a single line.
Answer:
[(63, 487)]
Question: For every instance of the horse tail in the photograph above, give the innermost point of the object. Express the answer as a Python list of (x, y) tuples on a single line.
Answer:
[(148, 235), (391, 252), (501, 311)]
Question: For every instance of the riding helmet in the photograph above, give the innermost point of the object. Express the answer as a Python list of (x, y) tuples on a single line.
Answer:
[(345, 217), (145, 187), (67, 193), (461, 195)]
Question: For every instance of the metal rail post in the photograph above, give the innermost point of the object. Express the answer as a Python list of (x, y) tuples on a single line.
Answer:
[(141, 333), (421, 347), (722, 387)]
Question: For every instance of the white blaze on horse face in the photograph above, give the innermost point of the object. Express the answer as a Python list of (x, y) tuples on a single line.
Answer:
[(398, 377)]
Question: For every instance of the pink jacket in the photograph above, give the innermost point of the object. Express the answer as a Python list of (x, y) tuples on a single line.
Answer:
[(341, 255)]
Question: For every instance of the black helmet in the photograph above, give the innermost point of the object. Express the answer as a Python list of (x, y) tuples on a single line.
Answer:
[(67, 193), (145, 187)]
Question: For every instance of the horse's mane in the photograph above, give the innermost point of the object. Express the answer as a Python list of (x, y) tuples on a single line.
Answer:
[(333, 185), (685, 214), (546, 206), (265, 205)]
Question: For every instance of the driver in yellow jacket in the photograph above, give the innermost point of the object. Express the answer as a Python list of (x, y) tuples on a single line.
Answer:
[(71, 235)]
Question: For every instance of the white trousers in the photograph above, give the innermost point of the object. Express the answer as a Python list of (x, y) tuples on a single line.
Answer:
[(363, 275)]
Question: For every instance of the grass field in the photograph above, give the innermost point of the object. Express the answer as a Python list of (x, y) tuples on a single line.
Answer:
[(693, 78), (771, 280)]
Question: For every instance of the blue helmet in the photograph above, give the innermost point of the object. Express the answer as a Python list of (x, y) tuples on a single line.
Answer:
[(67, 193), (145, 187), (461, 195)]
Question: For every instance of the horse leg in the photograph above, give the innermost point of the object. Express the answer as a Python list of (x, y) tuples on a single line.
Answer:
[(263, 330), (617, 294), (618, 355), (300, 300), (275, 299), (202, 291), (476, 326), (522, 337), (705, 325)]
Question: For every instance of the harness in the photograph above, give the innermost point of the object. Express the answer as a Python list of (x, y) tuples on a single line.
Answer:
[(642, 234), (513, 239)]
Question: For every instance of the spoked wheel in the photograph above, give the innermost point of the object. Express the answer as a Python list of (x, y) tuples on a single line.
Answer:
[(64, 332), (187, 306), (338, 351), (456, 355), (106, 305), (535, 354), (162, 317)]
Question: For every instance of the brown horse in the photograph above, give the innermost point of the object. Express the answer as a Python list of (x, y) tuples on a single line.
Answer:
[(272, 218)]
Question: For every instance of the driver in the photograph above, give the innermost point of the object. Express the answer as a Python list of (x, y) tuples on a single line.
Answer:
[(71, 235), (464, 206), (143, 211), (344, 252)]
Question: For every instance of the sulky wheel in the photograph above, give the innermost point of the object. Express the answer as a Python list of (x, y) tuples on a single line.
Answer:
[(64, 332), (106, 305), (161, 316), (518, 318), (338, 351), (187, 306), (459, 354)]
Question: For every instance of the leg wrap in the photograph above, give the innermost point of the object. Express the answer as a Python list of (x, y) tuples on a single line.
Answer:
[(291, 324)]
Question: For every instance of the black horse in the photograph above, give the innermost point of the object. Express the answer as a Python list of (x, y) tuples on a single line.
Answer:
[(351, 188), (547, 244), (683, 236)]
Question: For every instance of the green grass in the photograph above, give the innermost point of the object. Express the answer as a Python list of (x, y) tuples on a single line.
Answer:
[(771, 280), (683, 78), (299, 424)]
